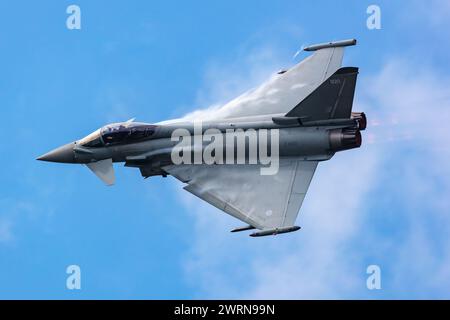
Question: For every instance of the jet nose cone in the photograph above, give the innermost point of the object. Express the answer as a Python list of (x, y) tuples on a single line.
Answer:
[(62, 154)]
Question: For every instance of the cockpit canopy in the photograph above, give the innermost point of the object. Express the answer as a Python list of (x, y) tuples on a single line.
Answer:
[(119, 133)]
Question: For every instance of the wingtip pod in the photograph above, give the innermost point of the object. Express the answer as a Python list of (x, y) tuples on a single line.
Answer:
[(342, 43), (275, 231)]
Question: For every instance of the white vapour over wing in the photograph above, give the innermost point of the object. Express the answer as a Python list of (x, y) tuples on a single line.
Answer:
[(383, 204), (282, 91)]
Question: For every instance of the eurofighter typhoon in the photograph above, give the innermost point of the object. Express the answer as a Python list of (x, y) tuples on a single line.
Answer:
[(254, 157)]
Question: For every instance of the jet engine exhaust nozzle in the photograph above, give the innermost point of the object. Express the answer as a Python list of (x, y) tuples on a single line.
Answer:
[(344, 139)]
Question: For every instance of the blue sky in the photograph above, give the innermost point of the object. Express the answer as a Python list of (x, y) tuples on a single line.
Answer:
[(386, 203)]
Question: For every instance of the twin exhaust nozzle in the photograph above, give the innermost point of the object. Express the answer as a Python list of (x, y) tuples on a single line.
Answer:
[(348, 138)]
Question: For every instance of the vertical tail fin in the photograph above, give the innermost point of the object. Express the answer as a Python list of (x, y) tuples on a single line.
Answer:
[(333, 99)]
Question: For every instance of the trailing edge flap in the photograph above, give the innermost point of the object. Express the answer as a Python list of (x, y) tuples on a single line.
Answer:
[(104, 170)]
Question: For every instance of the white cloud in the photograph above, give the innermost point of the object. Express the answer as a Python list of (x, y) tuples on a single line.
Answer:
[(5, 230), (409, 108), (13, 213), (435, 12), (418, 99)]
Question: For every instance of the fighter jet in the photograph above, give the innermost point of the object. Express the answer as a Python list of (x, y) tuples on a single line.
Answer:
[(286, 126)]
